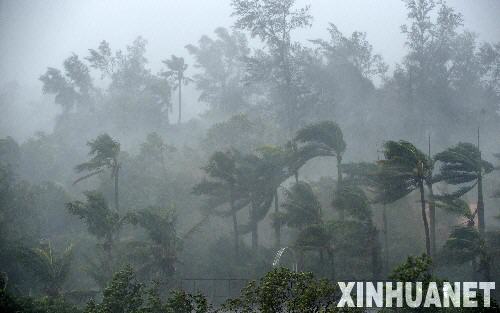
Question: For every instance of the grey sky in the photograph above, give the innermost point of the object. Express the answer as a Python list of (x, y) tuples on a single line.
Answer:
[(37, 34)]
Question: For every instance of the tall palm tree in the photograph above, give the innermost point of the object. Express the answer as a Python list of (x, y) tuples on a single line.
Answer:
[(105, 152), (224, 187), (275, 164), (429, 181), (370, 175), (322, 139), (404, 170), (50, 268), (259, 187), (462, 165), (176, 71)]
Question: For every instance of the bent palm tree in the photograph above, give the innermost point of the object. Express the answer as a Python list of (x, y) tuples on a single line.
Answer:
[(224, 187), (404, 170), (463, 166), (105, 152), (322, 139)]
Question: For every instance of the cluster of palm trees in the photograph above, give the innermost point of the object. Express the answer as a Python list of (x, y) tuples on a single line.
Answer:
[(157, 256), (236, 181)]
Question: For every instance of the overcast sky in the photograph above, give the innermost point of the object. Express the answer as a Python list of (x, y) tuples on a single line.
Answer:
[(36, 34)]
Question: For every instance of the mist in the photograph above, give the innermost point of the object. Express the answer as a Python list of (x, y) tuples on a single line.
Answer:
[(201, 145)]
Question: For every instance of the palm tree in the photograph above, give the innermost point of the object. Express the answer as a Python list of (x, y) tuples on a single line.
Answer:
[(465, 243), (224, 187), (159, 255), (462, 165), (303, 211), (275, 165), (105, 152), (322, 139), (259, 187), (102, 222), (404, 170), (301, 206), (176, 72), (49, 267)]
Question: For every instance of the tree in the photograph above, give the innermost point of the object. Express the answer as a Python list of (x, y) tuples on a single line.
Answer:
[(259, 187), (105, 151), (176, 71), (301, 206), (158, 257), (322, 139), (273, 21), (281, 290), (51, 269), (275, 164), (404, 170), (464, 244), (71, 88), (224, 188), (222, 64), (104, 224), (462, 165), (134, 96), (302, 210)]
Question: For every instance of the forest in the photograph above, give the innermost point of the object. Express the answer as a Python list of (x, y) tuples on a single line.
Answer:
[(314, 162)]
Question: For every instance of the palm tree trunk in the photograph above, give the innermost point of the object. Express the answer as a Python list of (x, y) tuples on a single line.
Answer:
[(235, 224), (480, 205), (254, 225), (117, 205), (236, 236), (374, 251), (339, 183), (432, 219), (255, 236), (424, 218), (278, 225), (180, 100), (386, 239)]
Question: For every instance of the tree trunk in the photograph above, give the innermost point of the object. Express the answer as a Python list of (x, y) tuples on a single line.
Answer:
[(278, 225), (255, 236), (339, 183), (236, 236), (180, 100), (432, 219), (117, 204), (300, 261), (424, 218), (386, 239), (235, 224), (331, 256), (374, 251), (254, 225), (480, 205)]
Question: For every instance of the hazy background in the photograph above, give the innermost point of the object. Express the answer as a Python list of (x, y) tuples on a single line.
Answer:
[(37, 34)]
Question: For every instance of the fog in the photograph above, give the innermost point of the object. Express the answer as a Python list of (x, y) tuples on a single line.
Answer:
[(37, 34), (154, 146)]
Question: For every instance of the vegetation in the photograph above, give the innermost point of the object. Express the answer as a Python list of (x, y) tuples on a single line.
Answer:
[(283, 164)]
